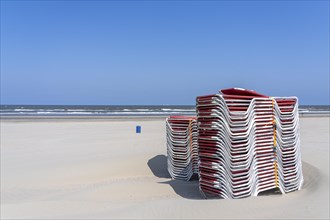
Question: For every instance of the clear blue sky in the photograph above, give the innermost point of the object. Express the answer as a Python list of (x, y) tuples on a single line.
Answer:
[(167, 52)]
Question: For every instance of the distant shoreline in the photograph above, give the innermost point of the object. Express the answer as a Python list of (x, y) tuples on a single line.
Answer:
[(119, 112), (112, 118), (81, 118)]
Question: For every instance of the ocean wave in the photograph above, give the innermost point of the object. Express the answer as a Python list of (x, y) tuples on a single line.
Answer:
[(181, 110), (63, 110), (315, 112), (96, 113), (24, 110)]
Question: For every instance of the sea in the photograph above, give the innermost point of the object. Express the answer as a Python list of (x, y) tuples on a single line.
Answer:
[(123, 110), (96, 110)]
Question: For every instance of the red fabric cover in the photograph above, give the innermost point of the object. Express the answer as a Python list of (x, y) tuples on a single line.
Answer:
[(242, 92)]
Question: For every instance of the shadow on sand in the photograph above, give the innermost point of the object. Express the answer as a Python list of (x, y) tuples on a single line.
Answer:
[(185, 189), (190, 189), (158, 166)]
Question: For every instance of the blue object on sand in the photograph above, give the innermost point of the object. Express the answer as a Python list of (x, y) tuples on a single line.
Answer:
[(138, 129)]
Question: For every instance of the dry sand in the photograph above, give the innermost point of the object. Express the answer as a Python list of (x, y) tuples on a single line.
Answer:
[(103, 169)]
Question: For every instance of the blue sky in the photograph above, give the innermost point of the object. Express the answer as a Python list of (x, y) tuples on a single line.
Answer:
[(164, 52)]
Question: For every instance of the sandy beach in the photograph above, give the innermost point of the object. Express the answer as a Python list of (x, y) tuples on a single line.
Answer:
[(100, 168)]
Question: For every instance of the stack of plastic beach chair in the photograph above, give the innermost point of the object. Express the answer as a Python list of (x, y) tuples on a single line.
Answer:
[(182, 152), (247, 143), (288, 144)]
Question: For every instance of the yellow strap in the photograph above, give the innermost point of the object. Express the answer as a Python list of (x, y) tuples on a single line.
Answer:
[(274, 123), (274, 136), (276, 175), (275, 163), (190, 133)]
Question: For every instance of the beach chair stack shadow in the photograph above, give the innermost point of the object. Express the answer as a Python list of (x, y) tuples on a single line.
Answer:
[(182, 155), (248, 143)]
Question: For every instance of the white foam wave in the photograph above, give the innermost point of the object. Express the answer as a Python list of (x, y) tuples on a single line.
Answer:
[(24, 110), (181, 110), (98, 113)]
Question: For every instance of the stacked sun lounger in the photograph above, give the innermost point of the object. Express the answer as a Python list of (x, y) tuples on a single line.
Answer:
[(182, 154), (247, 143), (288, 144)]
